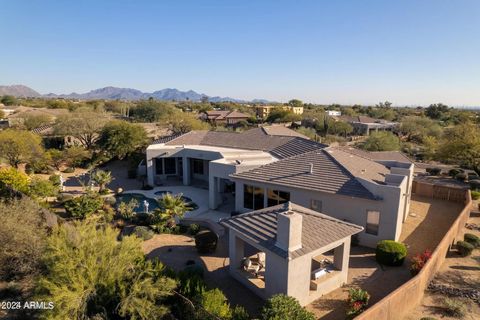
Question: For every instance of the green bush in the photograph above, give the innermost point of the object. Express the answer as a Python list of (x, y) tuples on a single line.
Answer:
[(206, 241), (474, 240), (143, 232), (464, 248), (193, 229), (215, 303), (239, 313), (390, 253), (454, 307), (357, 302), (69, 170), (475, 195), (433, 171), (190, 282), (83, 206), (454, 172), (280, 307), (55, 179)]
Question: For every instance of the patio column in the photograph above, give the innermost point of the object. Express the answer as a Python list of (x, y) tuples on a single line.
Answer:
[(150, 180), (236, 248), (341, 255), (186, 171)]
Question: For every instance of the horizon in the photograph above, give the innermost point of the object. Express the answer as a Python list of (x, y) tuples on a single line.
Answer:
[(410, 53)]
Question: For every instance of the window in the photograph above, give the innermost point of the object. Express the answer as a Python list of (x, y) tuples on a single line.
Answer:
[(170, 165), (252, 197), (159, 166), (197, 165), (373, 221), (275, 197), (316, 205)]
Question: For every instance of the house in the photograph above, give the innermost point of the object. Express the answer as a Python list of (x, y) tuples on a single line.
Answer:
[(271, 165), (289, 249), (264, 111), (224, 117), (363, 125), (333, 113)]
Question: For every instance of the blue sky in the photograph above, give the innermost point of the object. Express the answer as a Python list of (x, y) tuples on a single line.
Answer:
[(407, 52)]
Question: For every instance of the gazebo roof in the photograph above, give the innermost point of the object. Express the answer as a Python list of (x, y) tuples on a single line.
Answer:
[(318, 230)]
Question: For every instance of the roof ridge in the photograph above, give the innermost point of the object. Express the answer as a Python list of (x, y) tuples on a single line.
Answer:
[(351, 175)]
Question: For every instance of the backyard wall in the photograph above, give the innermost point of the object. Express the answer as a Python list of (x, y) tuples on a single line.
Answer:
[(404, 299), (423, 188)]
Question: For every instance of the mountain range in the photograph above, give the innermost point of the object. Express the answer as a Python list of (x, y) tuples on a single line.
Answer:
[(114, 93)]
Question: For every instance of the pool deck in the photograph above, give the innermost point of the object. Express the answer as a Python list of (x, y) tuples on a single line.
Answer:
[(198, 195)]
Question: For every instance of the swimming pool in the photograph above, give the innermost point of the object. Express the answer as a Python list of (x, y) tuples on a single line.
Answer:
[(127, 197)]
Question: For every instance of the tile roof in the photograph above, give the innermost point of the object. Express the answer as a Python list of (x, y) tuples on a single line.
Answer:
[(224, 114), (328, 175), (279, 144), (318, 230), (378, 155)]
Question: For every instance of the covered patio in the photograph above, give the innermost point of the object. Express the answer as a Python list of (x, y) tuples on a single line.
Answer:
[(289, 249)]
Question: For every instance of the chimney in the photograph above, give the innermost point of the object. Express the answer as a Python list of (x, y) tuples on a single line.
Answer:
[(289, 230), (311, 168)]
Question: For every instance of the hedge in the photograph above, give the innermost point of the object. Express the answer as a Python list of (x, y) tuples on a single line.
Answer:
[(390, 253)]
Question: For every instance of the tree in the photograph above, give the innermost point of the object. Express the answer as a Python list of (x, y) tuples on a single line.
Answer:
[(90, 274), (295, 103), (57, 157), (18, 146), (120, 138), (84, 126), (341, 127), (32, 121), (280, 307), (9, 100), (381, 141), (12, 179), (461, 145), (102, 178), (417, 128), (280, 115), (436, 111), (75, 156), (40, 188), (152, 111), (23, 236), (171, 208), (182, 122)]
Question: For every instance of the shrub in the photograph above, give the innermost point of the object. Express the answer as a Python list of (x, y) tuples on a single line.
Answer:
[(69, 170), (281, 306), (143, 232), (193, 229), (461, 176), (472, 239), (454, 307), (190, 281), (206, 241), (42, 188), (55, 179), (454, 172), (418, 261), (390, 253), (357, 302), (215, 303), (83, 206), (433, 171), (239, 313), (475, 195), (464, 248), (127, 209)]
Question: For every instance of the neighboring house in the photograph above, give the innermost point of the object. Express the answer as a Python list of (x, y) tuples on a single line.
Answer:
[(363, 125), (272, 165), (333, 113), (264, 111), (224, 117), (288, 249)]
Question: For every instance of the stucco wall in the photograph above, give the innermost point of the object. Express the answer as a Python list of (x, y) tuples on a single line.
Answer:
[(344, 208)]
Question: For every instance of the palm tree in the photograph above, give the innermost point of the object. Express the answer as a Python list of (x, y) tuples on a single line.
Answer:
[(102, 178), (171, 208)]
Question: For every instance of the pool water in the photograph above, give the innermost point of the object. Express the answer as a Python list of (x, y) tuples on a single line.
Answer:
[(127, 197)]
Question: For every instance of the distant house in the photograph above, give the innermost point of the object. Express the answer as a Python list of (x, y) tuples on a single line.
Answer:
[(363, 125), (333, 113), (264, 111), (224, 117)]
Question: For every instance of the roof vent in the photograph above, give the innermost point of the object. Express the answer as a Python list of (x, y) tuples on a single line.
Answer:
[(311, 168)]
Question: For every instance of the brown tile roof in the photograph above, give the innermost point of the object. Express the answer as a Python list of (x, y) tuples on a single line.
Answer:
[(225, 114), (328, 174), (378, 155), (280, 146), (318, 230)]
